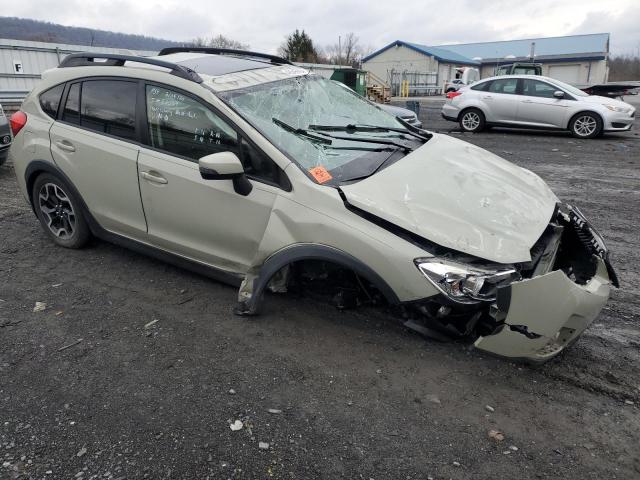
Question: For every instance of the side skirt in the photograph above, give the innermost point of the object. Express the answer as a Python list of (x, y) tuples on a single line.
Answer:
[(230, 278)]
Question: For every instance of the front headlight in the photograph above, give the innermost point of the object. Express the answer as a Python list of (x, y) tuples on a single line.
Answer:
[(615, 108), (466, 283)]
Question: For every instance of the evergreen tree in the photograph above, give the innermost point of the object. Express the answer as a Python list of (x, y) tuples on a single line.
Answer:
[(298, 47)]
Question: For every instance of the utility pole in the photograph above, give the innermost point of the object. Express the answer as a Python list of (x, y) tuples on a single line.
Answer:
[(339, 50), (532, 51)]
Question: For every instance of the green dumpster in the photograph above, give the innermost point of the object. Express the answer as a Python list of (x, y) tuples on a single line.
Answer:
[(356, 80)]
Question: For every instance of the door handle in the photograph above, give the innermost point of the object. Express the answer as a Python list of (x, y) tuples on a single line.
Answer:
[(527, 101), (65, 145), (154, 177), (488, 97)]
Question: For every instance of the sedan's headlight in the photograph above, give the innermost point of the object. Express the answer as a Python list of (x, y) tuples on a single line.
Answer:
[(615, 108), (466, 283)]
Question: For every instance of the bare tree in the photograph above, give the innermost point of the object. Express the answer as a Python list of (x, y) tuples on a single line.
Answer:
[(624, 67), (219, 41), (350, 47), (347, 52)]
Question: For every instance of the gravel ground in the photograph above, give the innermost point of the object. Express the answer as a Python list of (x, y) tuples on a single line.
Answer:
[(91, 387)]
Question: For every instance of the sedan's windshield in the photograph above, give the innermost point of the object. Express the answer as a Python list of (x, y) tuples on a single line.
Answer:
[(296, 115)]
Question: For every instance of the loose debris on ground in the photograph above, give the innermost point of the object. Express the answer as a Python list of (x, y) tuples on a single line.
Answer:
[(190, 394)]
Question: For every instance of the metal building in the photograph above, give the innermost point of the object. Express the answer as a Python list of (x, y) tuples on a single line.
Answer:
[(425, 69), (22, 64), (577, 59)]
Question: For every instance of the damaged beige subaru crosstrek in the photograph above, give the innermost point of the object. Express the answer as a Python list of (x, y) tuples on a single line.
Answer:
[(260, 174)]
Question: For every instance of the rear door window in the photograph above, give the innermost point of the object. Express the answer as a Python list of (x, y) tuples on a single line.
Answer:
[(105, 106), (50, 100), (109, 106), (504, 85)]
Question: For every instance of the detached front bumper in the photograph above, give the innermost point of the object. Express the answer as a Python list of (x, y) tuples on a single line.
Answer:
[(539, 316), (543, 315)]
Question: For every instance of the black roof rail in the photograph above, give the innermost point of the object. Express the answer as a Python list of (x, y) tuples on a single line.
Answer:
[(116, 60), (226, 51)]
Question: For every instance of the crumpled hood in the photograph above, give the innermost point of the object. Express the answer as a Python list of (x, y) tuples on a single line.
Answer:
[(461, 197)]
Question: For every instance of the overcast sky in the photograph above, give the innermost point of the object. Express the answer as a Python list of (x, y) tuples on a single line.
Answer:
[(264, 24)]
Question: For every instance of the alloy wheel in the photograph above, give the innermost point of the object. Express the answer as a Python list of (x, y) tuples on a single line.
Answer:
[(471, 121), (57, 210), (585, 125)]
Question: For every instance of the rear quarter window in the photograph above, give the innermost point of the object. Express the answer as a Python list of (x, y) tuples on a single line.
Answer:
[(481, 86), (50, 100)]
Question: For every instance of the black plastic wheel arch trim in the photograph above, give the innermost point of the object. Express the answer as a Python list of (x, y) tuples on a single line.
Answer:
[(310, 251)]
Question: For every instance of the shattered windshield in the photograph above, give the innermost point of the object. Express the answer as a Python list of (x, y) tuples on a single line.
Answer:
[(298, 115)]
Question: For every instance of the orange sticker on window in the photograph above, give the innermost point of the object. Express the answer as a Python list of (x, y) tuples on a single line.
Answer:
[(320, 174)]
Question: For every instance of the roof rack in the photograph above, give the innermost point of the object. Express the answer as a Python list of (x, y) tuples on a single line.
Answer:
[(226, 51), (115, 60)]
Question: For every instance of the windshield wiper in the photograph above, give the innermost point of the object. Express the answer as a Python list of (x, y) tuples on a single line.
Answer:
[(302, 132), (365, 149), (365, 128), (414, 129), (380, 141)]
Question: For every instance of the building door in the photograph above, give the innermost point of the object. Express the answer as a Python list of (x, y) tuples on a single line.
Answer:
[(566, 73)]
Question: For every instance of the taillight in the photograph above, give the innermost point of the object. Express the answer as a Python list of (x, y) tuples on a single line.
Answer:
[(453, 94), (17, 121)]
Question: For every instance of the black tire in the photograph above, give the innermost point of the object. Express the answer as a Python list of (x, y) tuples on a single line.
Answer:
[(472, 120), (449, 90), (60, 212), (586, 125)]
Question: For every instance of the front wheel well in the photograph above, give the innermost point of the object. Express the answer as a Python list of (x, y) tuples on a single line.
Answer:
[(582, 112), (253, 287)]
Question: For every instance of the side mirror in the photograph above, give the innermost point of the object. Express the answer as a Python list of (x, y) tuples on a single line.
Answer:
[(558, 94), (225, 166)]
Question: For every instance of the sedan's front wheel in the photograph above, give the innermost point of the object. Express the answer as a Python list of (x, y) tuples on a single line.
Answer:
[(586, 125), (472, 120), (59, 212)]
